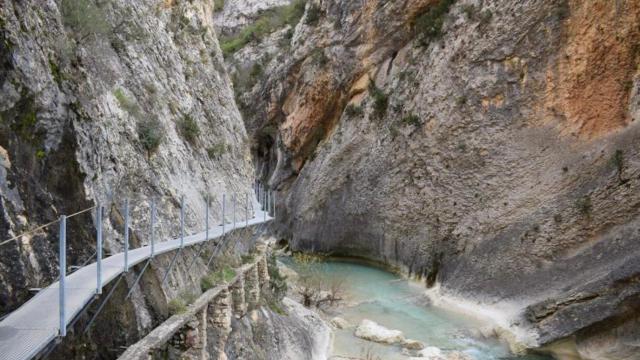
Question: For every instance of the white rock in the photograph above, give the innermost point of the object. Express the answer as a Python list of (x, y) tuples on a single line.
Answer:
[(340, 323), (372, 331), (428, 353), (458, 355), (4, 158), (412, 344)]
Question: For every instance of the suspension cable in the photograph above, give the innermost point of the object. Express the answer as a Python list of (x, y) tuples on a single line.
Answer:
[(44, 226)]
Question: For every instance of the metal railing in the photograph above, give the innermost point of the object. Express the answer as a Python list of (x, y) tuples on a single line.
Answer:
[(265, 200)]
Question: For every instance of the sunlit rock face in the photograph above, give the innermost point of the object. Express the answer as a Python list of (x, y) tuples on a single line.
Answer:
[(497, 157), (124, 99)]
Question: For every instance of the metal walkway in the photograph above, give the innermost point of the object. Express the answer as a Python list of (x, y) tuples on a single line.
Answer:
[(29, 329)]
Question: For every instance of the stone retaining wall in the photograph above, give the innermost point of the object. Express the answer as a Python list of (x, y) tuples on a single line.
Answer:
[(201, 332)]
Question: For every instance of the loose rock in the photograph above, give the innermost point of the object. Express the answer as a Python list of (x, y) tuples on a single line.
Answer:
[(372, 331)]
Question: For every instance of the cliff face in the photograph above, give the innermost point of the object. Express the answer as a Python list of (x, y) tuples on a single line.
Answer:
[(489, 147), (103, 101)]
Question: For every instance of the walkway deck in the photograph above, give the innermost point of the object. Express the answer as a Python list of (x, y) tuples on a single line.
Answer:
[(30, 328)]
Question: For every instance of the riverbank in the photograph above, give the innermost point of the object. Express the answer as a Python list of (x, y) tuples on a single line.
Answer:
[(397, 303)]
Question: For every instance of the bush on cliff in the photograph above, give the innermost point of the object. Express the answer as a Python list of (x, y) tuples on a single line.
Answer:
[(429, 25), (269, 21)]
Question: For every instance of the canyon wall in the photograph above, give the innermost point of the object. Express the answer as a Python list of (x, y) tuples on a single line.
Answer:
[(488, 147), (102, 102)]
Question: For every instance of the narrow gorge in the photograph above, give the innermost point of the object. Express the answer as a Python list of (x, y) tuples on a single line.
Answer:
[(320, 179)]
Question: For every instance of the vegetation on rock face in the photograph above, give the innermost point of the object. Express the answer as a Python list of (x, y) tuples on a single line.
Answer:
[(177, 306), (353, 110), (618, 162), (429, 25), (277, 290), (584, 205), (225, 274), (150, 134), (412, 119), (380, 100), (127, 104), (189, 128), (84, 17), (268, 22), (217, 150), (277, 281), (218, 5), (313, 15)]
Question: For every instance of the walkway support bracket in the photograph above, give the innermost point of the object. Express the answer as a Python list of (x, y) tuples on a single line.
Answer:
[(173, 261)]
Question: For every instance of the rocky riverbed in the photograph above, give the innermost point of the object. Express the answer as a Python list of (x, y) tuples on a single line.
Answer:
[(382, 315)]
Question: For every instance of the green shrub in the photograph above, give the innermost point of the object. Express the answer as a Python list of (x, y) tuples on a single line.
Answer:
[(319, 57), (393, 131), (256, 72), (561, 11), (218, 5), (217, 150), (189, 297), (84, 17), (207, 282), (224, 275), (584, 205), (485, 17), (41, 154), (177, 306), (469, 10), (353, 110), (313, 15), (268, 22), (150, 134), (25, 124), (412, 119), (429, 25), (127, 104), (189, 128), (248, 258), (380, 100), (618, 162)]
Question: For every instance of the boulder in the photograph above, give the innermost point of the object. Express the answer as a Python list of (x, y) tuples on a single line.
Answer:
[(372, 331), (339, 323), (458, 355), (412, 344)]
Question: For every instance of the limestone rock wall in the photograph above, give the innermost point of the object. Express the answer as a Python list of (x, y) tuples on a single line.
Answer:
[(497, 158), (103, 101)]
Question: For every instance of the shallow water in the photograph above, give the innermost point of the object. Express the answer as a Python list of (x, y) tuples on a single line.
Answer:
[(395, 303)]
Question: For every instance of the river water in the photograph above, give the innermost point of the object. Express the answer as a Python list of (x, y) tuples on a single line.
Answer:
[(398, 304)]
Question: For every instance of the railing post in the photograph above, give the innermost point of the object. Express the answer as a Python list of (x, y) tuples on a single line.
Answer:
[(246, 209), (224, 200), (264, 205), (234, 211), (206, 219), (63, 273), (126, 235), (99, 250), (152, 227), (182, 221), (273, 203)]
